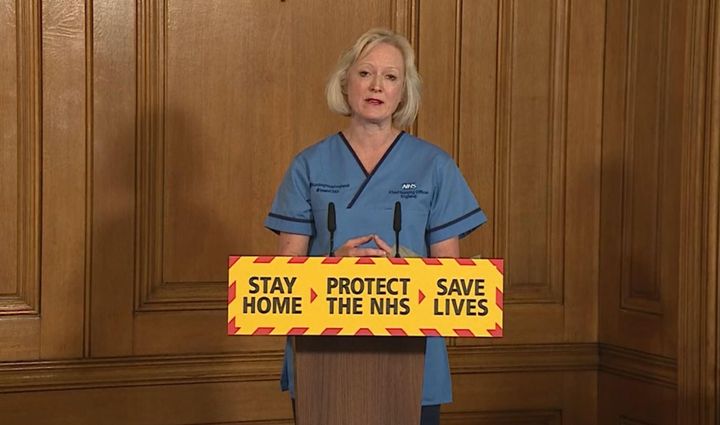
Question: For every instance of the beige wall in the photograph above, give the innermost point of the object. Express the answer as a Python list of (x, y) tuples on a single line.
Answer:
[(142, 142)]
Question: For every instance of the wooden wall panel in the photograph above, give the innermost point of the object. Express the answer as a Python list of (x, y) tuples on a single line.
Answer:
[(524, 398), (625, 400), (248, 403), (645, 88), (20, 182), (532, 157), (64, 174), (197, 137), (20, 174), (641, 185)]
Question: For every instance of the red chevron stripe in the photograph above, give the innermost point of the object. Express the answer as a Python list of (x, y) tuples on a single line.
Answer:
[(432, 262), (499, 264), (465, 261), (364, 332), (231, 292), (499, 298), (297, 260), (232, 260), (331, 260), (297, 331), (396, 331), (497, 332), (398, 261), (429, 332), (331, 331), (365, 260), (263, 260), (231, 328), (464, 332), (263, 331)]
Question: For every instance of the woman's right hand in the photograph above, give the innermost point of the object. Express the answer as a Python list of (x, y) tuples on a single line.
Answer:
[(351, 248)]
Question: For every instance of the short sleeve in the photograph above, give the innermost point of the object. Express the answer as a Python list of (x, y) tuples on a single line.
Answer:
[(454, 210), (291, 211)]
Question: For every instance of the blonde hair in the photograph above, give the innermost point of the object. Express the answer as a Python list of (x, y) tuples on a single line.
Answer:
[(336, 89)]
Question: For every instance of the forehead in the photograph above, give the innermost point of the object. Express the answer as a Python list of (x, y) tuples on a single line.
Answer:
[(382, 54)]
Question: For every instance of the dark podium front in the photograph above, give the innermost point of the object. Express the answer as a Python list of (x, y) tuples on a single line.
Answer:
[(358, 380)]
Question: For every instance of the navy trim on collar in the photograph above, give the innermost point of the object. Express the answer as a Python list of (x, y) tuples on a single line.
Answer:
[(368, 176), (450, 223)]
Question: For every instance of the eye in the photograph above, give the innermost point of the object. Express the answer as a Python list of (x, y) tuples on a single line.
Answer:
[(363, 73), (391, 77)]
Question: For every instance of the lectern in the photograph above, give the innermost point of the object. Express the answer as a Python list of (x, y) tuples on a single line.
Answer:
[(358, 380), (359, 325)]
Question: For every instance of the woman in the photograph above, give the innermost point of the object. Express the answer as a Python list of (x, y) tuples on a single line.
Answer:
[(364, 170)]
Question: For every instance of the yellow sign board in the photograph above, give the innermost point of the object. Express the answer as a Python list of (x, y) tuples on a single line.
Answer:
[(365, 296)]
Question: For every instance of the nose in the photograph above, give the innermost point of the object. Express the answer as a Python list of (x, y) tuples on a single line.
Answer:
[(376, 84)]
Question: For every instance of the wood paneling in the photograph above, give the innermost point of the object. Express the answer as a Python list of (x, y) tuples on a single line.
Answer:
[(194, 133), (627, 400), (533, 181), (699, 298), (142, 143), (641, 181), (20, 162), (250, 403), (64, 177)]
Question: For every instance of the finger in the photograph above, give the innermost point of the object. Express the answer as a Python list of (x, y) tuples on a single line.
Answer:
[(358, 241), (382, 244), (368, 252)]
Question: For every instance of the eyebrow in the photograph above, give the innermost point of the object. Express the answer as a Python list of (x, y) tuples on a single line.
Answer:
[(392, 68)]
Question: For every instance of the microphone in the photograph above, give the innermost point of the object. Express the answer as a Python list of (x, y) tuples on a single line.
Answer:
[(397, 226), (331, 226)]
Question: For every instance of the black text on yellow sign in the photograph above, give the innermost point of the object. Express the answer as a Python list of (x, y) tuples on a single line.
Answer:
[(350, 296)]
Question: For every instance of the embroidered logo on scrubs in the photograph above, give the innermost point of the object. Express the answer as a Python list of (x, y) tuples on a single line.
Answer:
[(328, 188), (408, 191)]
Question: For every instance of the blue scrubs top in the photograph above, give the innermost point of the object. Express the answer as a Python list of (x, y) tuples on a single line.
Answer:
[(437, 204)]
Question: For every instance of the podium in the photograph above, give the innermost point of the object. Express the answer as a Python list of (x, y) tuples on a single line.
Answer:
[(359, 325), (358, 380)]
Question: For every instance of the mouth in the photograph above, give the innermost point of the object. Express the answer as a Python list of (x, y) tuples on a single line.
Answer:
[(373, 101)]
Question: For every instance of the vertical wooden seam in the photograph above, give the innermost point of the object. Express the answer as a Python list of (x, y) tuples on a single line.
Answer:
[(89, 132), (457, 80), (502, 124), (559, 80), (627, 147)]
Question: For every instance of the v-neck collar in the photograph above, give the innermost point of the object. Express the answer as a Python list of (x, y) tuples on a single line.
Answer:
[(368, 176)]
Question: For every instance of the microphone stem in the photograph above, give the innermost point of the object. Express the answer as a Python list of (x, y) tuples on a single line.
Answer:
[(397, 244)]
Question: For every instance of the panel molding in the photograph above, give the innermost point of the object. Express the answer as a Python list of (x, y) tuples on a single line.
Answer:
[(637, 365), (523, 358), (265, 365), (139, 371), (151, 292), (631, 298), (550, 291), (26, 301), (510, 417)]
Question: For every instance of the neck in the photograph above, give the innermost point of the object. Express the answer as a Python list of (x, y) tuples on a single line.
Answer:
[(371, 136)]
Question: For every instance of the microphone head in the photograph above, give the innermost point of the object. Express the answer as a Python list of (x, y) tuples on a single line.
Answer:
[(397, 217), (331, 225)]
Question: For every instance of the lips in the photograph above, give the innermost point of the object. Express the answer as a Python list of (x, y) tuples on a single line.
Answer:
[(373, 101)]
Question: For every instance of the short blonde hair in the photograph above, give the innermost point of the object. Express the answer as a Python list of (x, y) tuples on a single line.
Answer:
[(336, 89)]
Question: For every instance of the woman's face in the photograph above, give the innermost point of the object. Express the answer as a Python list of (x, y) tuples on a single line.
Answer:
[(375, 84)]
